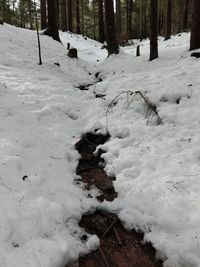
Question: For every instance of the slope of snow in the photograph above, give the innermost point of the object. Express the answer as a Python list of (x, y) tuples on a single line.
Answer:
[(42, 116), (157, 167)]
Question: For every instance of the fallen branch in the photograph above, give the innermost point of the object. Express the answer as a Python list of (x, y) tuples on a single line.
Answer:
[(151, 107)]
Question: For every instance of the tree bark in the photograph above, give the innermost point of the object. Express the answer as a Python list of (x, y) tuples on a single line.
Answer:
[(185, 15), (129, 17), (78, 24), (169, 20), (69, 8), (82, 19), (63, 13), (112, 44), (153, 30), (52, 29), (43, 8), (195, 32), (101, 22), (118, 17)]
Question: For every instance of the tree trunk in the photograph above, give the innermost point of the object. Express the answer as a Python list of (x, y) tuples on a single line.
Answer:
[(52, 29), (82, 19), (78, 24), (43, 8), (141, 20), (101, 22), (112, 44), (94, 20), (58, 12), (30, 14), (153, 30), (169, 20), (185, 15), (129, 17), (195, 32), (63, 13), (118, 17), (180, 15), (69, 17)]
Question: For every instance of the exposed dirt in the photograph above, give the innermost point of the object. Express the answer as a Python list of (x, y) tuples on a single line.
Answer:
[(118, 247), (91, 166)]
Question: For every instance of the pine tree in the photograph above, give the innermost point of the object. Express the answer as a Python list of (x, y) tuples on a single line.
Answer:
[(52, 29), (185, 15), (169, 20), (118, 17), (78, 24), (69, 17), (101, 21), (43, 8), (195, 32), (63, 13), (112, 44), (153, 30)]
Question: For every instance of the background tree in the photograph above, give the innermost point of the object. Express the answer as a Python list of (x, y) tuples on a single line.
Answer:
[(153, 30), (78, 24), (112, 44), (169, 20), (43, 13), (195, 32), (52, 29), (101, 21), (63, 14), (185, 15), (69, 15), (118, 17)]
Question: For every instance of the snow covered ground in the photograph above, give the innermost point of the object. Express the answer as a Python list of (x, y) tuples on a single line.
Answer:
[(43, 115)]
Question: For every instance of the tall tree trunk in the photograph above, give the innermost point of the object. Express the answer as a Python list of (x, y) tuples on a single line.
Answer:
[(153, 30), (30, 14), (94, 20), (58, 12), (141, 20), (112, 44), (63, 13), (195, 32), (145, 20), (52, 29), (101, 22), (118, 17), (185, 15), (69, 15), (78, 24), (43, 7), (129, 4), (82, 18), (169, 20), (180, 15)]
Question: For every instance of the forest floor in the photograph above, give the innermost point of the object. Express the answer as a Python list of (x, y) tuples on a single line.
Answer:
[(155, 165)]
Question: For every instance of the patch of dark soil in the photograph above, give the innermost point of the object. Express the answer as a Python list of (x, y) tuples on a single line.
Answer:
[(196, 54), (90, 166), (84, 87), (118, 247)]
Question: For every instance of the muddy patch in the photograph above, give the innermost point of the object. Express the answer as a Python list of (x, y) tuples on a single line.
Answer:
[(118, 247), (91, 166)]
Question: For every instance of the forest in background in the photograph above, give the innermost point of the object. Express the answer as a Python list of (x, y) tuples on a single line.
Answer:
[(82, 16)]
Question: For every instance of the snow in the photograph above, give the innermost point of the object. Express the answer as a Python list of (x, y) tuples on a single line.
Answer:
[(43, 115)]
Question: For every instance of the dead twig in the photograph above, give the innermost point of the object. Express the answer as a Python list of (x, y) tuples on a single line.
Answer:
[(104, 257), (109, 228), (151, 107), (117, 236)]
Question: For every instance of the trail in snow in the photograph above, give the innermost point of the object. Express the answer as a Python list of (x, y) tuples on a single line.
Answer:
[(43, 115)]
